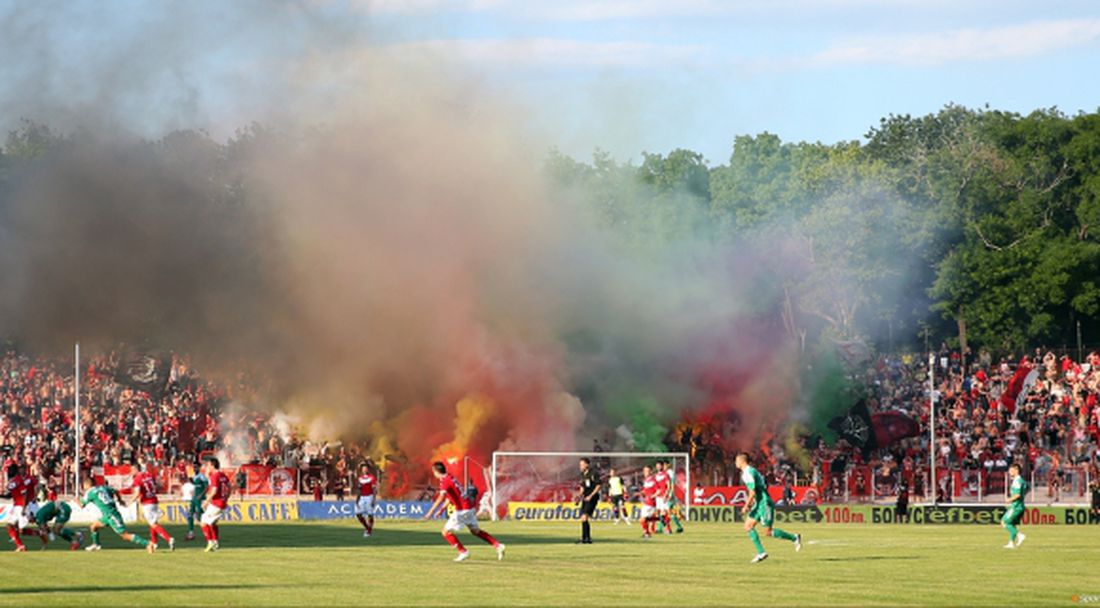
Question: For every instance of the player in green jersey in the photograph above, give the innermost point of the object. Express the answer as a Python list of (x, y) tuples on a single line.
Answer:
[(195, 495), (107, 500), (672, 504), (1015, 510), (760, 509), (59, 512)]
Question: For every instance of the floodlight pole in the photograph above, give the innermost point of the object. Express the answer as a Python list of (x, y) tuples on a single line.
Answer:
[(935, 483), (76, 394)]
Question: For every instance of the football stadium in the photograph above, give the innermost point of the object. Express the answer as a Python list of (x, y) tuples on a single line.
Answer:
[(572, 303)]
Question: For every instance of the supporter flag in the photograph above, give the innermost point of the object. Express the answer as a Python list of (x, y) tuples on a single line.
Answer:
[(119, 477), (145, 372), (893, 426), (856, 428), (867, 431), (1018, 387)]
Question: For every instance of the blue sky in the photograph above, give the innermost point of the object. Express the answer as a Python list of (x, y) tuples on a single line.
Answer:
[(623, 75), (633, 75)]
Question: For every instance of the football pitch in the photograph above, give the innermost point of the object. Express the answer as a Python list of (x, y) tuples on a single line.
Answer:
[(324, 564)]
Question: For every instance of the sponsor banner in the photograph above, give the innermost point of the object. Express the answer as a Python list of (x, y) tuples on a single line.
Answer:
[(5, 508), (737, 495), (564, 511), (731, 514), (873, 514), (827, 514), (274, 509), (983, 514), (383, 509)]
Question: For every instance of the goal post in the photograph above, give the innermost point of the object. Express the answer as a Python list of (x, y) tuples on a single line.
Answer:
[(552, 476)]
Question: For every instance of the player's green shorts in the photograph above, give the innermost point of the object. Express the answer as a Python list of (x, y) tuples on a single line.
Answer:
[(763, 513), (113, 519), (196, 505), (43, 516), (1013, 515)]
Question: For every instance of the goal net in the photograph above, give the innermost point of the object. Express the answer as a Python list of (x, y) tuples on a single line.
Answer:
[(550, 479)]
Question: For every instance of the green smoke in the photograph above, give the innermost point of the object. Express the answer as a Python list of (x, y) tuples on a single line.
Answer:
[(829, 391)]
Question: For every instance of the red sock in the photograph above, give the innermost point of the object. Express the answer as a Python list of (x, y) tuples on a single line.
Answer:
[(14, 534), (370, 525), (485, 536), (668, 524), (453, 540), (363, 521), (159, 529), (215, 532), (207, 533), (645, 525)]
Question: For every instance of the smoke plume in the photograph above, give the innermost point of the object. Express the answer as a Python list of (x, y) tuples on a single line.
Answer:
[(382, 244)]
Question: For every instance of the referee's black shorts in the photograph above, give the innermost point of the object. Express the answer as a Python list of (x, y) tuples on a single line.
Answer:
[(588, 507)]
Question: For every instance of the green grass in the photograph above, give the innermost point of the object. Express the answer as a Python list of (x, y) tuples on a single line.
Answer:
[(325, 564)]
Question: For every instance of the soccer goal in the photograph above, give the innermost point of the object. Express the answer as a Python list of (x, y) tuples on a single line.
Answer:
[(552, 477)]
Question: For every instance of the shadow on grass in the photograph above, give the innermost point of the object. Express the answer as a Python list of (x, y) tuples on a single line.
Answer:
[(117, 588), (312, 535)]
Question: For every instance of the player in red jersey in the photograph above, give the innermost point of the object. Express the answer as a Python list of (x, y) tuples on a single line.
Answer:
[(464, 514), (146, 484), (664, 485), (364, 506), (217, 501), (649, 501), (21, 489)]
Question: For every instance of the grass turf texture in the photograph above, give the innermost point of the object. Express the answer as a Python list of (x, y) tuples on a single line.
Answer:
[(409, 563)]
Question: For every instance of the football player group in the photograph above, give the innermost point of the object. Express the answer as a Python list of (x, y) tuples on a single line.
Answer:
[(208, 490), (660, 508)]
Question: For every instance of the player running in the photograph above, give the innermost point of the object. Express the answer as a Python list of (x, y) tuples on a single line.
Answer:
[(21, 489), (215, 505), (59, 512), (107, 500), (146, 484), (1015, 511), (364, 505), (760, 509), (649, 501), (464, 514), (199, 483)]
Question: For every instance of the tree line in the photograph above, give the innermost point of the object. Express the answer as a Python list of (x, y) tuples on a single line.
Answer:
[(975, 227)]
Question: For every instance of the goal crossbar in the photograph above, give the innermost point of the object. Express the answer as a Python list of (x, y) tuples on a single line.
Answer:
[(686, 456)]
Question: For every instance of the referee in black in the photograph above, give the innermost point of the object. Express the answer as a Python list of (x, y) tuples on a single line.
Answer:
[(588, 495)]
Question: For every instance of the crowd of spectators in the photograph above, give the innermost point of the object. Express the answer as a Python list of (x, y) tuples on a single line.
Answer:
[(172, 425), (1053, 434)]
